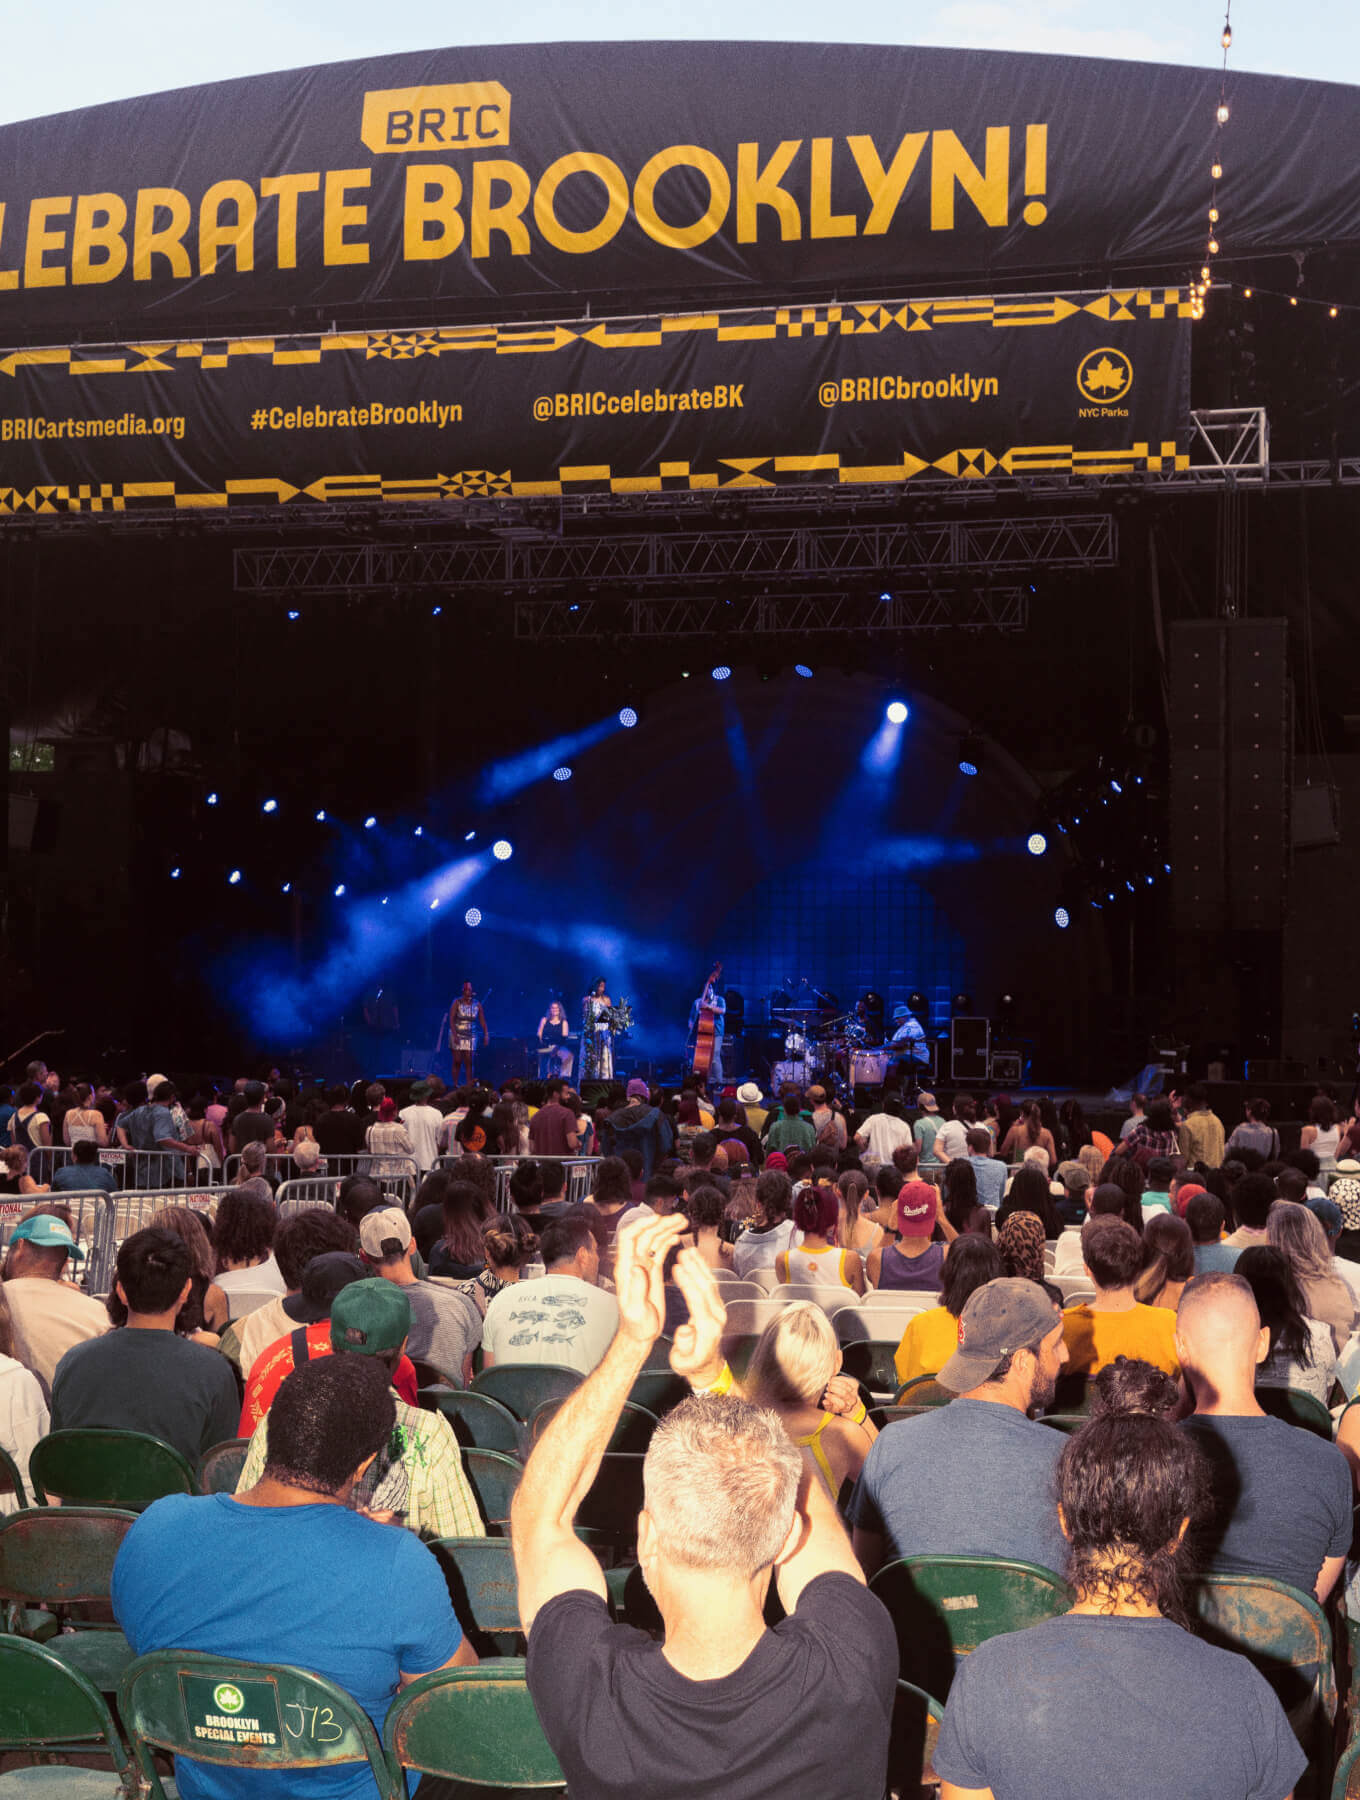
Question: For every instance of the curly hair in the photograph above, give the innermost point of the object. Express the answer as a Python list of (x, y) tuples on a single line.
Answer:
[(1127, 1483)]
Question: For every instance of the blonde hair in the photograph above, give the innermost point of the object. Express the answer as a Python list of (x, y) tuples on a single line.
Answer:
[(1296, 1232), (795, 1357), (1092, 1159)]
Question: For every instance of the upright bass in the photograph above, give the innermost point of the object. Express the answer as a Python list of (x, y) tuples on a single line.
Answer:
[(706, 1031)]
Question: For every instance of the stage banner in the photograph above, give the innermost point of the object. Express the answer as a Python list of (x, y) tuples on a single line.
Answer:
[(884, 392), (636, 177)]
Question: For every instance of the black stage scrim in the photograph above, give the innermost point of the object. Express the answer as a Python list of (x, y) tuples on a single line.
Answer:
[(884, 392), (633, 176)]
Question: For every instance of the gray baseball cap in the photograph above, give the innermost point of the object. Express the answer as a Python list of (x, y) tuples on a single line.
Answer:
[(998, 1318)]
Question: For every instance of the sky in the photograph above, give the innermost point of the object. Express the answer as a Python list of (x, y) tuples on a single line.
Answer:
[(111, 50)]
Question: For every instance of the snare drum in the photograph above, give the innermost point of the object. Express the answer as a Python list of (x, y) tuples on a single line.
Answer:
[(868, 1068), (795, 1044)]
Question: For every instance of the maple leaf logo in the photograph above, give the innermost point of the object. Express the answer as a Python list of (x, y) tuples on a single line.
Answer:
[(1105, 374)]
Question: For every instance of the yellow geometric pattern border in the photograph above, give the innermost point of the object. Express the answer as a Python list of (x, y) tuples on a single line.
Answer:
[(730, 473), (860, 319)]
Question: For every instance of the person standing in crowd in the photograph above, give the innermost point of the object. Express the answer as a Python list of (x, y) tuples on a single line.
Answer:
[(329, 1424), (883, 1133), (143, 1376), (1153, 1135), (925, 1131), (1028, 1133), (339, 1131), (422, 1122), (788, 1129), (640, 1125), (47, 1314), (1321, 1134), (83, 1122), (388, 1142), (562, 1316), (1131, 1493), (729, 1505), (1201, 1131), (1137, 1107), (951, 1140), (29, 1125), (752, 1100), (1280, 1497), (553, 1130), (988, 1169), (1255, 1132)]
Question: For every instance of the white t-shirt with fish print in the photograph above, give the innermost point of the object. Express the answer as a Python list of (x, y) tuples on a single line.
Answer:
[(550, 1319)]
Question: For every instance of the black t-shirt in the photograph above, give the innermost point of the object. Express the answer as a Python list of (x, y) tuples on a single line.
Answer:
[(148, 1381), (252, 1128), (339, 1134), (808, 1712)]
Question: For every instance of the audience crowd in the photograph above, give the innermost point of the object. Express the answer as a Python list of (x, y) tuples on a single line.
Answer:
[(1125, 1359)]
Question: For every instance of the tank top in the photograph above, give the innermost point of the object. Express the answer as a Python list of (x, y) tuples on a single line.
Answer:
[(898, 1271), (79, 1133), (813, 1443), (1324, 1146), (808, 1266)]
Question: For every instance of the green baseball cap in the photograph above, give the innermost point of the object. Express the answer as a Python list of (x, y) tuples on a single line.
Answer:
[(368, 1317), (48, 1232)]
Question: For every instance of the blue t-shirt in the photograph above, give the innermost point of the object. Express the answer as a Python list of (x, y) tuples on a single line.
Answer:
[(1184, 1720), (83, 1178), (1212, 1259), (990, 1174), (318, 1586), (1281, 1495), (974, 1478)]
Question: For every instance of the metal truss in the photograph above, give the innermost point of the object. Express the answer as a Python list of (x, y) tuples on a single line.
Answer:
[(809, 554), (802, 615)]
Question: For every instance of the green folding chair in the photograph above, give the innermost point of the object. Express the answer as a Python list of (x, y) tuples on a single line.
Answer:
[(472, 1725), (478, 1421), (1285, 1633), (245, 1715), (659, 1356), (923, 1390), (1068, 1422), (1295, 1408), (521, 1387), (56, 1558), (889, 1415), (632, 1432), (872, 1361), (739, 1351), (48, 1708), (484, 1588), (658, 1390), (494, 1477), (219, 1469), (93, 1467), (608, 1514), (1074, 1395), (945, 1606), (1346, 1781), (11, 1481)]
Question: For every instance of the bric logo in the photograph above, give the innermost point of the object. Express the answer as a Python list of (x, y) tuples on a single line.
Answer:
[(1104, 377), (469, 115)]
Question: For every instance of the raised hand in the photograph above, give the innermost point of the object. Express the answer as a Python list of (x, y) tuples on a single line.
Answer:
[(697, 1350), (639, 1264)]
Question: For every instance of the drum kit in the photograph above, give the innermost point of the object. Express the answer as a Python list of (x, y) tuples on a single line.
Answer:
[(822, 1048)]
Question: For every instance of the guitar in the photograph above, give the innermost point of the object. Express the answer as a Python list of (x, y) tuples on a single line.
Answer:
[(706, 1033)]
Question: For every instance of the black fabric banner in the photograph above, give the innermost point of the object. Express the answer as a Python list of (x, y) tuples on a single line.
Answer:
[(879, 392), (447, 183)]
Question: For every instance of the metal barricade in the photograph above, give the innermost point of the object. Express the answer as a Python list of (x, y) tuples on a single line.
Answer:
[(160, 1165), (306, 1192), (398, 1176), (580, 1182), (89, 1226)]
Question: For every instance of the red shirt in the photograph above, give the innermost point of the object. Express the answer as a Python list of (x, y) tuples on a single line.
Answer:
[(274, 1364), (549, 1128)]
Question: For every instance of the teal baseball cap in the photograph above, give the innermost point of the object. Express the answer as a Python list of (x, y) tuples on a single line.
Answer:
[(48, 1232)]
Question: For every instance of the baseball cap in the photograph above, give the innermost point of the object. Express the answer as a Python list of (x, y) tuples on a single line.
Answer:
[(48, 1232), (1073, 1177), (749, 1094), (998, 1318), (380, 1227), (1326, 1212), (322, 1280), (917, 1205), (638, 1090), (370, 1317), (927, 1100)]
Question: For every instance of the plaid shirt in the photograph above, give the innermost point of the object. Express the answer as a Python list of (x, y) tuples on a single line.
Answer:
[(440, 1501)]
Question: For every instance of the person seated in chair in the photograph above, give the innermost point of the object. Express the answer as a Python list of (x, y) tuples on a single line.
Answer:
[(297, 1575), (729, 1504), (1131, 1489)]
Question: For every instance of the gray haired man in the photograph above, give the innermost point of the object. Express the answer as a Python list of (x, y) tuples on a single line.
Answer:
[(729, 1501)]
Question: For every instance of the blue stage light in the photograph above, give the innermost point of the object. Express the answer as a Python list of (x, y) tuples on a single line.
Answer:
[(419, 831), (1116, 788), (502, 850), (722, 672), (627, 718), (234, 879), (468, 836), (1061, 917), (212, 799), (321, 817), (803, 670), (1037, 843), (294, 614), (434, 904), (287, 887), (340, 891), (369, 822), (175, 874), (384, 899), (897, 712), (270, 806), (967, 768), (885, 596), (472, 916), (435, 611), (563, 773)]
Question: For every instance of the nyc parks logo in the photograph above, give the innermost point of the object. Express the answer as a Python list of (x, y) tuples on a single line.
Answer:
[(1104, 378)]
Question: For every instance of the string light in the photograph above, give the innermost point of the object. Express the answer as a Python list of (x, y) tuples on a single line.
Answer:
[(1222, 114)]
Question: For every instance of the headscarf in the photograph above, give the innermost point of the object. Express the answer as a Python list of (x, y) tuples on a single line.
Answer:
[(777, 1160), (1021, 1243), (1185, 1195), (1345, 1191)]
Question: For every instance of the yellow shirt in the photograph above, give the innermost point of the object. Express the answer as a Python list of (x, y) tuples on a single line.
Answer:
[(1094, 1339), (927, 1344)]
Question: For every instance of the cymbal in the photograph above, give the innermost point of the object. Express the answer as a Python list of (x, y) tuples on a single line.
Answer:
[(795, 1012)]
